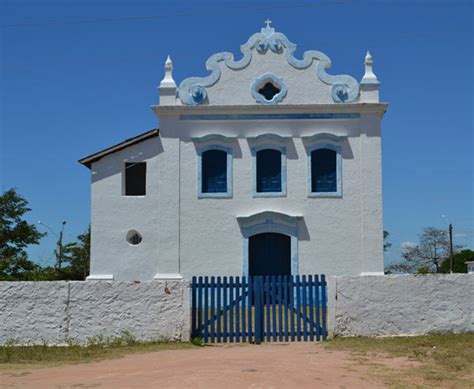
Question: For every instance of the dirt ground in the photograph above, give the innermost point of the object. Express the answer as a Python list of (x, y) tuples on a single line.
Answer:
[(294, 365)]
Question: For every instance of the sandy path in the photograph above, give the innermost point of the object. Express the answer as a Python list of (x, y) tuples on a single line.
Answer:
[(295, 365)]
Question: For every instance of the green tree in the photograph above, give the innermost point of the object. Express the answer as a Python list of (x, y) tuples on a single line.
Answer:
[(15, 235), (459, 262), (386, 243), (77, 257)]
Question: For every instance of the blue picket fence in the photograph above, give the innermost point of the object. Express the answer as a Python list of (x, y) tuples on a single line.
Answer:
[(259, 308)]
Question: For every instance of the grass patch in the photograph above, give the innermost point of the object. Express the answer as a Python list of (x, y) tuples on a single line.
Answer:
[(17, 357), (445, 360)]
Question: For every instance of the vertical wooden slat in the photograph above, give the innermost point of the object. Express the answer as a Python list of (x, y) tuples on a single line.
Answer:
[(304, 304), (285, 306), (258, 308), (237, 309), (323, 300), (274, 314), (280, 309), (298, 308), (318, 311), (250, 304), (241, 309), (212, 331), (243, 292), (206, 309), (292, 307), (231, 309), (193, 307), (199, 324), (225, 331), (267, 306), (311, 308), (219, 308)]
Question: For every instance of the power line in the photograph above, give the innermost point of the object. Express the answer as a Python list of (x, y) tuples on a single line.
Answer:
[(154, 17)]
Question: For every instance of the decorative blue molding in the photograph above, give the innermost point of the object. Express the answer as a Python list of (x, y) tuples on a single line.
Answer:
[(337, 148), (254, 151), (200, 150), (269, 221), (271, 116), (192, 91), (276, 81)]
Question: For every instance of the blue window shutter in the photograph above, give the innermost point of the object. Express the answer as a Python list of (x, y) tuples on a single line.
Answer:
[(323, 171), (269, 171), (214, 171)]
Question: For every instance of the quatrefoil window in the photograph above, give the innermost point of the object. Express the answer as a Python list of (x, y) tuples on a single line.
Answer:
[(269, 89)]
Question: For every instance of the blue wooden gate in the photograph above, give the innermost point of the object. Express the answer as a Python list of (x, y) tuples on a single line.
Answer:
[(259, 308)]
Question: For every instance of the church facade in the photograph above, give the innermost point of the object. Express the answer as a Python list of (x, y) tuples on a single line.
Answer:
[(266, 166)]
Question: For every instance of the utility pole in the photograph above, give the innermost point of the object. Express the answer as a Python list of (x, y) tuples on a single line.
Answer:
[(450, 247), (59, 243), (450, 232), (60, 247)]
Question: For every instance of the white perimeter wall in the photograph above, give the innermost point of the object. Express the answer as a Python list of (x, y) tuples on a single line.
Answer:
[(400, 305), (58, 312)]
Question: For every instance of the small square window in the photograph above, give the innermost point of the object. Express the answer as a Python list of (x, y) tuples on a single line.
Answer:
[(135, 178)]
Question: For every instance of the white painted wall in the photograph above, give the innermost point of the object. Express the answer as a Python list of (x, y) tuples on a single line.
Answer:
[(185, 235), (304, 87), (114, 214), (58, 312), (400, 305)]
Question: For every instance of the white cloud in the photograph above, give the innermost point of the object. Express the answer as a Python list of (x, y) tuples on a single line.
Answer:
[(407, 245)]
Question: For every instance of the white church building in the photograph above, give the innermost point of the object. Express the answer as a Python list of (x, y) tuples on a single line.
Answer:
[(266, 166)]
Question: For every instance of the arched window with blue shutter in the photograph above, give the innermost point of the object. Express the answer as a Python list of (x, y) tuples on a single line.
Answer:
[(269, 171), (325, 171), (214, 171)]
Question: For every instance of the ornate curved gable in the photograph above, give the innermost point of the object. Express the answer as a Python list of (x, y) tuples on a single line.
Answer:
[(268, 73)]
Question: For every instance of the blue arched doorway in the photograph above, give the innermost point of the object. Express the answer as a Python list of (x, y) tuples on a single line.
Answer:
[(269, 254)]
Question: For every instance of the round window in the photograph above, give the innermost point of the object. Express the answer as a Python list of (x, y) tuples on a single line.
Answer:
[(134, 237)]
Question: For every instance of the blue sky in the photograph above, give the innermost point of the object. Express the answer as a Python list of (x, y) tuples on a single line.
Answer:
[(78, 76)]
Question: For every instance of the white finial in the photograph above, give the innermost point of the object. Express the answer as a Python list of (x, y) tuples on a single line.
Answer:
[(368, 58), (267, 23), (168, 81), (168, 63), (369, 76)]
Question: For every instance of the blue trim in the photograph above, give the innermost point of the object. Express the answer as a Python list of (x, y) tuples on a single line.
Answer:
[(254, 151), (271, 116), (202, 149), (276, 81), (269, 221), (192, 91), (337, 149), (215, 138)]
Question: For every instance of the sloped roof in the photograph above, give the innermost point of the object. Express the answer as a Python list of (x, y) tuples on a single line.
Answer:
[(90, 159)]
